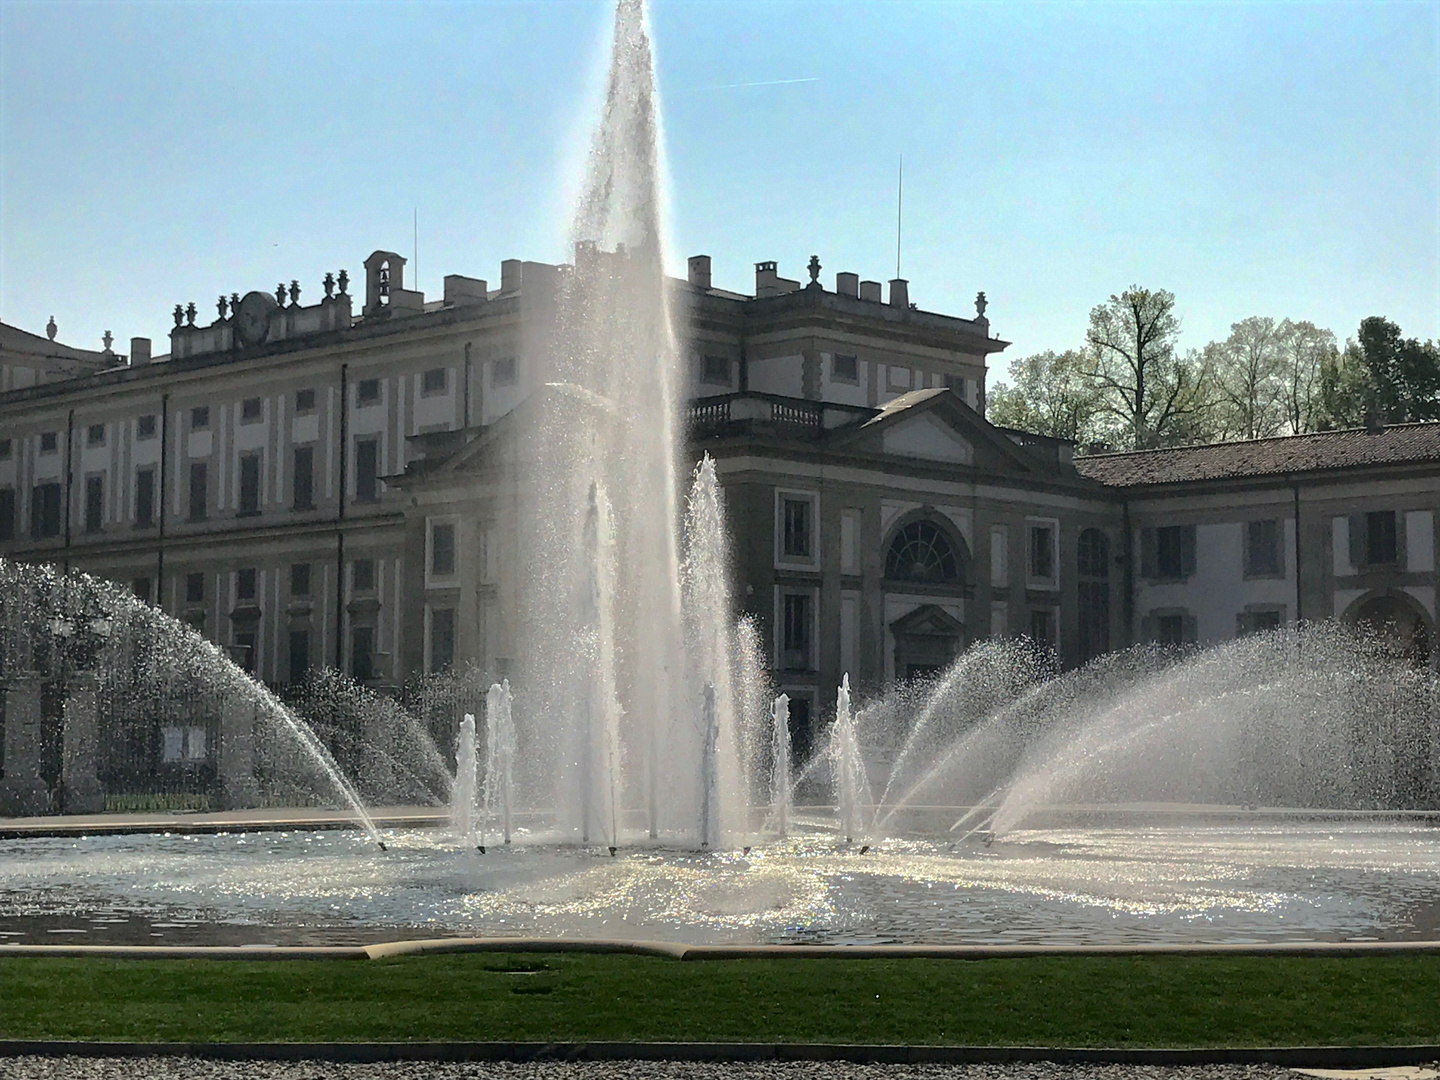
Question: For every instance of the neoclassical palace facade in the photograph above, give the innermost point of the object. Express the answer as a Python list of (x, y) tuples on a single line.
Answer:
[(327, 484)]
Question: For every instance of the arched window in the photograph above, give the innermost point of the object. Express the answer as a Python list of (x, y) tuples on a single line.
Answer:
[(921, 553), (1092, 555)]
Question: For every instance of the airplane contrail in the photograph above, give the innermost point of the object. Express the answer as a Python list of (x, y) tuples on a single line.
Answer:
[(744, 85)]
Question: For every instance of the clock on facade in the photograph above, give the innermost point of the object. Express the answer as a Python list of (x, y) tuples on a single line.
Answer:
[(252, 317)]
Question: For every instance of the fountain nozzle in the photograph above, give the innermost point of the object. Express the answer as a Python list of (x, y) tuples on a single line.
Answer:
[(612, 851), (480, 848), (382, 845), (865, 849)]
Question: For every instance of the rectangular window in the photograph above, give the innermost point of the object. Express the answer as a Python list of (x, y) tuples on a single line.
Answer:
[(847, 368), (796, 614), (250, 410), (7, 449), (362, 649), (715, 369), (303, 480), (1170, 552), (194, 588), (199, 489), (442, 549), (1042, 626), (367, 392), (200, 418), (362, 575), (141, 588), (300, 579), (797, 525), (1256, 622), (45, 511), (245, 646), (49, 442), (250, 484), (145, 427), (1170, 630), (367, 467), (1042, 552), (304, 401), (1380, 538), (502, 371), (172, 743), (434, 381), (442, 638), (7, 514), (299, 655), (1262, 549), (95, 435), (245, 584), (94, 503), (145, 497)]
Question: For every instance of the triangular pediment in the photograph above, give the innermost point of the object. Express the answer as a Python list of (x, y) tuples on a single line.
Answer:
[(928, 620), (937, 425), (927, 436)]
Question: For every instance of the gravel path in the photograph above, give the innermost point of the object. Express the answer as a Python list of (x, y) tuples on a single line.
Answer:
[(78, 1068)]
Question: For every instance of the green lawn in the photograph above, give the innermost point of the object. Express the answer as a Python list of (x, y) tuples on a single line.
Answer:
[(1057, 1001)]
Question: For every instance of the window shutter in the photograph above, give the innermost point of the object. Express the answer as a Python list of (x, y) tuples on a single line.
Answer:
[(1187, 550), (1147, 552), (1147, 628), (1402, 543), (1358, 557), (1192, 629)]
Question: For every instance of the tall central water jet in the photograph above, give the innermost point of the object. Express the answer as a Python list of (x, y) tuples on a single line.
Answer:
[(603, 424)]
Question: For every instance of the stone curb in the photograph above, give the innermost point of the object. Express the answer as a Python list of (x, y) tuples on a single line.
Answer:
[(1292, 1056), (682, 951)]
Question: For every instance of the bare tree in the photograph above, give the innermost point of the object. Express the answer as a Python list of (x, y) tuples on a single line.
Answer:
[(1304, 350), (1249, 387), (1052, 395), (1150, 395)]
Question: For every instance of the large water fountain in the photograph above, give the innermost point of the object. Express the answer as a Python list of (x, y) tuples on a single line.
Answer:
[(638, 779)]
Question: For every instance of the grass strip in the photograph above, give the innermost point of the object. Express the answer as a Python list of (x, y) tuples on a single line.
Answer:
[(1144, 1001)]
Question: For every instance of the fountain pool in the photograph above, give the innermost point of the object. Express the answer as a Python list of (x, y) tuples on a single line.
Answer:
[(1205, 878)]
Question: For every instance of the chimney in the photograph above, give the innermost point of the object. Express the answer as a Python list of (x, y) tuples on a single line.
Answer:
[(899, 292), (870, 290), (460, 289), (700, 271), (847, 284), (139, 351), (510, 275), (766, 274)]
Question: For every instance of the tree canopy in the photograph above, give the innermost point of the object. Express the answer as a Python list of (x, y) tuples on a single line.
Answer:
[(1130, 387)]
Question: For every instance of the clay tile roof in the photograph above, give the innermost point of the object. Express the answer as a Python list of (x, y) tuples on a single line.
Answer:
[(1397, 444)]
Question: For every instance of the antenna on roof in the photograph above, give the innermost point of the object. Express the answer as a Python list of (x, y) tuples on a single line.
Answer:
[(899, 208), (415, 280)]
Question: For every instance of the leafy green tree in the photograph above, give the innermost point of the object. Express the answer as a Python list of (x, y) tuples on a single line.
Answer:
[(1148, 395), (1304, 350), (1052, 395), (1381, 375), (1248, 369)]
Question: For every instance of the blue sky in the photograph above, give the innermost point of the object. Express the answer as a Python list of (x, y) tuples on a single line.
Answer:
[(1255, 159)]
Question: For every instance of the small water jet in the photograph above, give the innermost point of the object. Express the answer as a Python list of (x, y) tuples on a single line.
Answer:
[(499, 756), (464, 792), (781, 794), (847, 767)]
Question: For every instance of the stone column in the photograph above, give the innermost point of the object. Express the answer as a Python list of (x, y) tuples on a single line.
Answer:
[(238, 789), (22, 792), (80, 791)]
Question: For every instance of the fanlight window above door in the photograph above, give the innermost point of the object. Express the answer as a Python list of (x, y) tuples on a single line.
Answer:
[(921, 553)]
